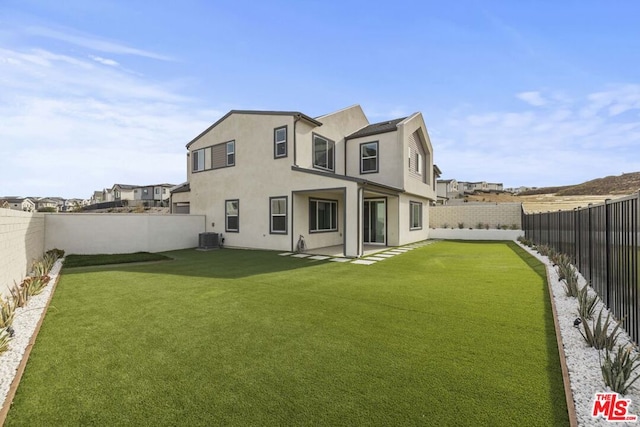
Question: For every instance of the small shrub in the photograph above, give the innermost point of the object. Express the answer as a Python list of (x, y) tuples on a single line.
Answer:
[(19, 294), (586, 303), (597, 334), (514, 227), (617, 371), (5, 337), (486, 226), (504, 227), (525, 241), (445, 225), (58, 253), (479, 225), (7, 312), (461, 225)]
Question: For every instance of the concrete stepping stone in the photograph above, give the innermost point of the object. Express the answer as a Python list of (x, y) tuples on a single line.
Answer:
[(363, 262)]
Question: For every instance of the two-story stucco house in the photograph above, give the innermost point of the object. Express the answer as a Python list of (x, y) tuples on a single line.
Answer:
[(265, 178)]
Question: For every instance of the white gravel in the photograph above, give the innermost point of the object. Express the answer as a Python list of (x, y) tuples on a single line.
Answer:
[(24, 325), (583, 362)]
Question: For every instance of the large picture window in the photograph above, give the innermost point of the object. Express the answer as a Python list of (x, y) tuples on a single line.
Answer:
[(280, 142), (323, 215), (369, 157), (278, 215), (415, 215), (323, 153), (232, 215), (198, 160)]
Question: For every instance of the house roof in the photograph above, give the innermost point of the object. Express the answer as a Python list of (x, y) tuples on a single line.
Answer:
[(376, 128), (125, 186), (185, 187), (296, 114)]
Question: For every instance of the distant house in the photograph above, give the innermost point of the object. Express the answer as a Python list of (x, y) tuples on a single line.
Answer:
[(21, 204), (43, 204), (446, 189), (270, 179), (180, 199)]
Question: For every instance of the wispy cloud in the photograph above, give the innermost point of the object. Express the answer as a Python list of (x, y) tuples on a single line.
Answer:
[(532, 98), (71, 125), (92, 42), (104, 61)]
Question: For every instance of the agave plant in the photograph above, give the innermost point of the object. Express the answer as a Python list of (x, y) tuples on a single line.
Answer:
[(36, 284), (617, 370), (5, 337), (7, 312), (587, 303), (571, 285), (597, 334), (19, 294)]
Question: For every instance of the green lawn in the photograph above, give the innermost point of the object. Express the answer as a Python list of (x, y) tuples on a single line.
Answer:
[(457, 334)]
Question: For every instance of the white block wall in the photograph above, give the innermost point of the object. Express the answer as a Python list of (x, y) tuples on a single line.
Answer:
[(96, 233), (470, 215), (21, 242)]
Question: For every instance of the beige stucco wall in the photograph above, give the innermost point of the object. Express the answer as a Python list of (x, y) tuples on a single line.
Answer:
[(412, 184), (21, 242), (391, 164), (121, 233), (335, 126), (471, 214)]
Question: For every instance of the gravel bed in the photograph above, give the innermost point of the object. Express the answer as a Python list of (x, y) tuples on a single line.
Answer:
[(24, 324), (583, 362)]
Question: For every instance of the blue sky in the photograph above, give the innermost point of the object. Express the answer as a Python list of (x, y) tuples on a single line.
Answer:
[(531, 93)]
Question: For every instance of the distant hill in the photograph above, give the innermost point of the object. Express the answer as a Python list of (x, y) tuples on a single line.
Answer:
[(627, 183)]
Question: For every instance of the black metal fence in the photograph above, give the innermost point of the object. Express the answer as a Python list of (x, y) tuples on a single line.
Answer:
[(602, 240)]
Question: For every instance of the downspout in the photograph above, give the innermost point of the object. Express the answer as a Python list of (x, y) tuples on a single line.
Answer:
[(295, 151), (359, 234), (295, 163)]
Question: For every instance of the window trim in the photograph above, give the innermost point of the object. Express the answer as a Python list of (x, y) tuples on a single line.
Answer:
[(330, 144), (377, 157), (285, 215), (276, 142), (316, 230), (411, 215), (233, 152), (226, 216), (419, 163)]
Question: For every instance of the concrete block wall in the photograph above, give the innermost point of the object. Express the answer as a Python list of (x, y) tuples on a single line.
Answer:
[(96, 233), (21, 242), (472, 214)]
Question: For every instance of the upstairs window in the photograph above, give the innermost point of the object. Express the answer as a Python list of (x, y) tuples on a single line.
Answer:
[(419, 163), (231, 153), (323, 153), (280, 142), (198, 160), (369, 157)]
